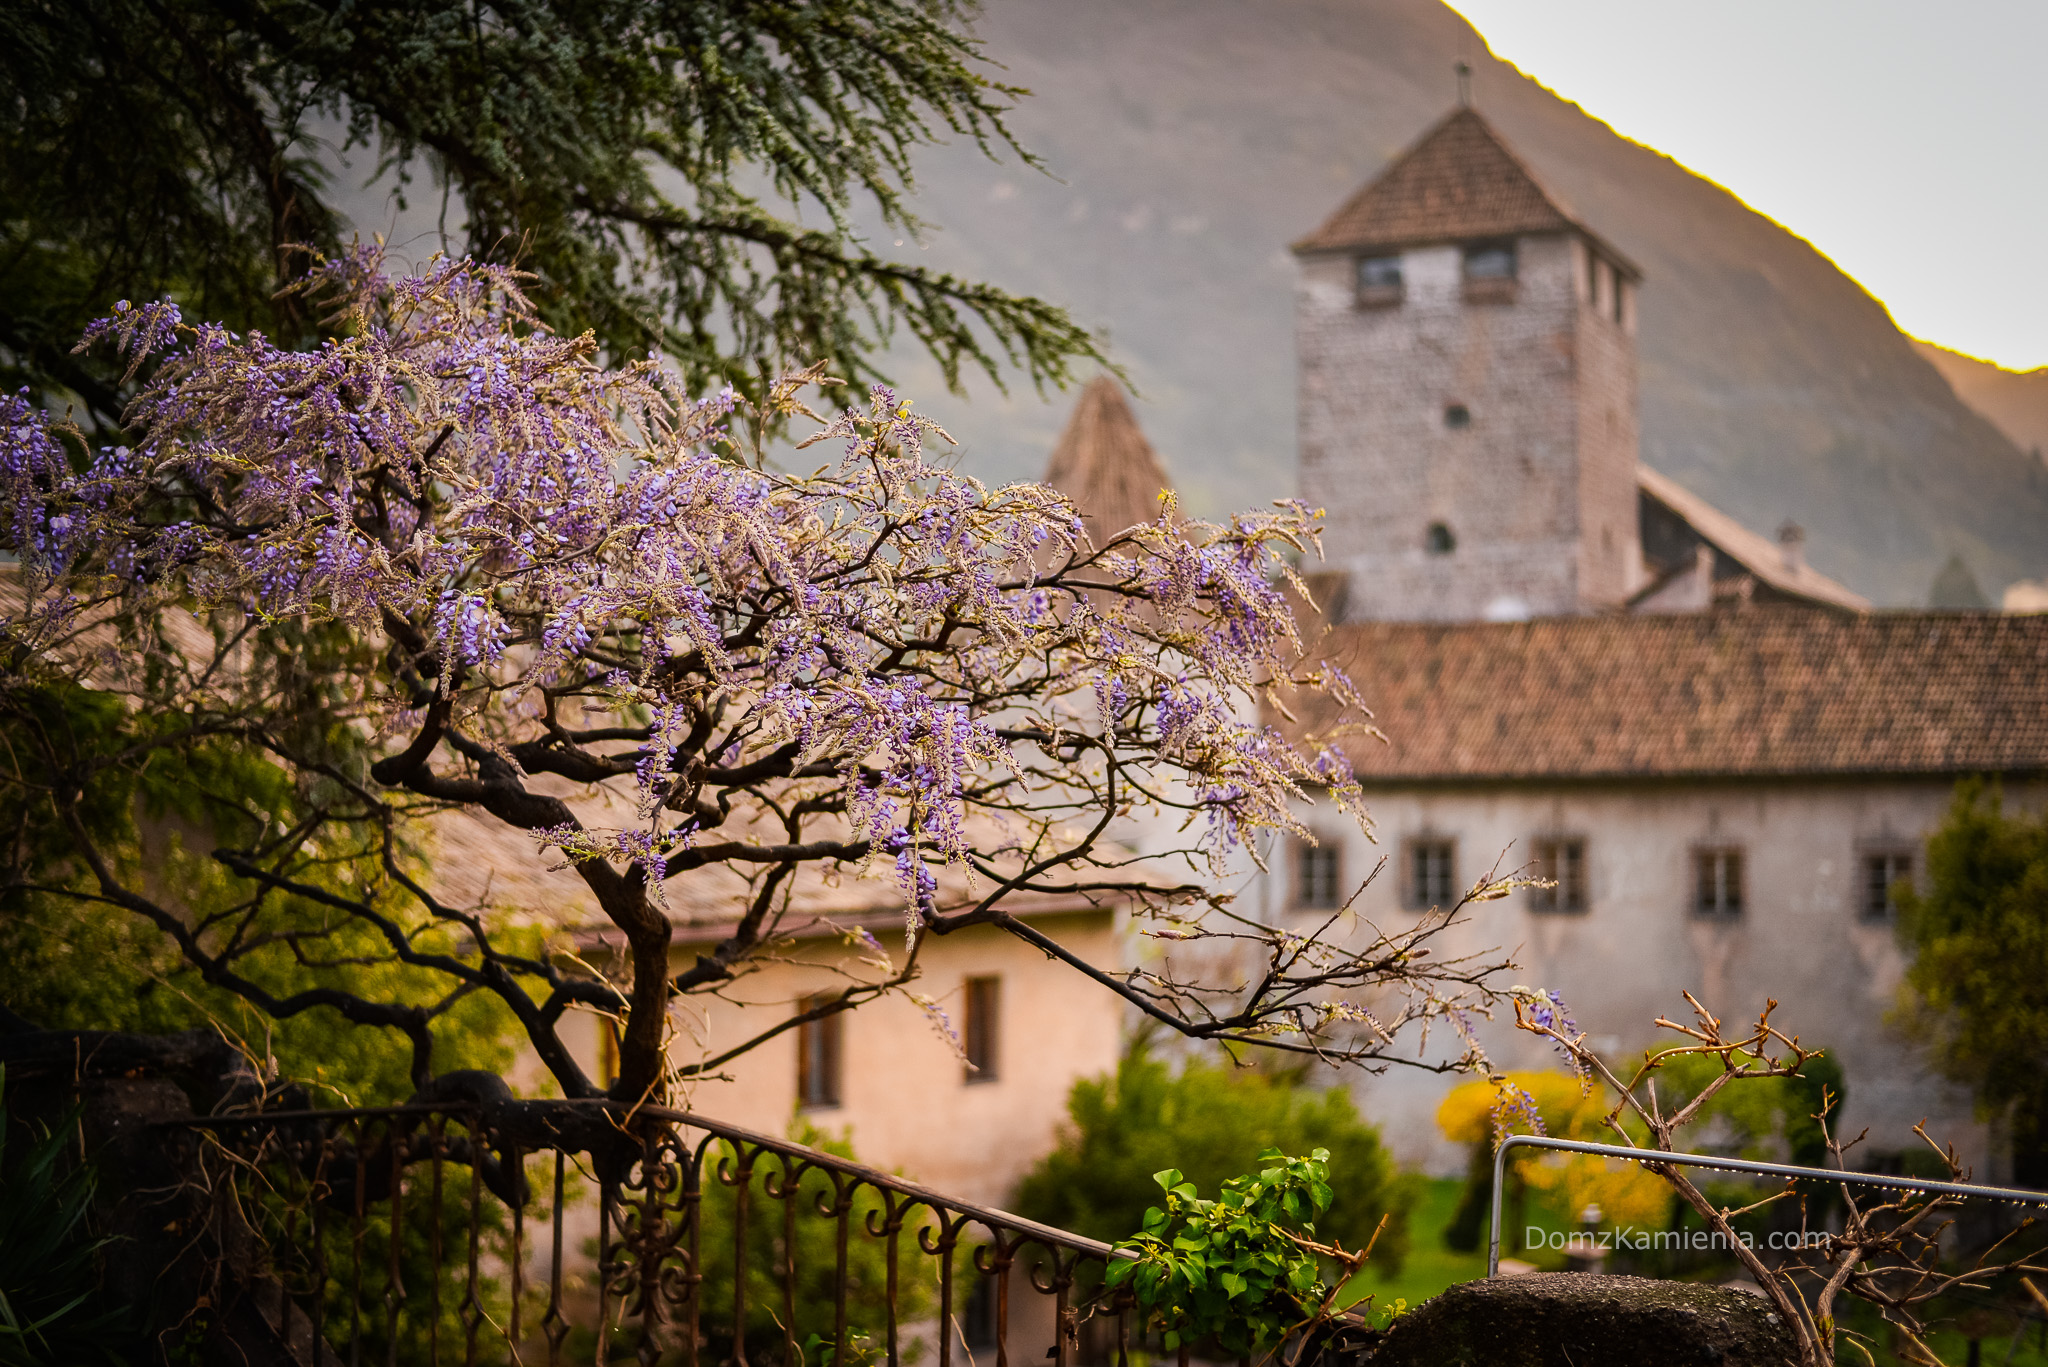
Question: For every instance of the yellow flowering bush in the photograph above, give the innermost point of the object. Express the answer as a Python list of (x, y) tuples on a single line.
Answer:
[(1627, 1194)]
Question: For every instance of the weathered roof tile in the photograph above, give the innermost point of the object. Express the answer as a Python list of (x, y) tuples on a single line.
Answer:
[(1459, 183), (1757, 691), (1104, 463)]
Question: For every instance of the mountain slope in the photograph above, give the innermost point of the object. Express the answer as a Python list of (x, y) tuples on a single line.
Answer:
[(1194, 138), (2016, 401)]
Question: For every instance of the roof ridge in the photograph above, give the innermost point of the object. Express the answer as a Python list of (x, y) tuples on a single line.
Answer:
[(1507, 149), (1755, 552), (1459, 181)]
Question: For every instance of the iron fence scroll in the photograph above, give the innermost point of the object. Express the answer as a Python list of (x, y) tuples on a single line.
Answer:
[(401, 1235)]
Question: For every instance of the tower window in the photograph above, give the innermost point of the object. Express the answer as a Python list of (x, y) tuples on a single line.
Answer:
[(1490, 261), (1379, 281), (1439, 540), (1432, 873), (1593, 269), (1717, 883), (1562, 862), (1318, 875), (1457, 415), (1881, 872), (984, 1006), (1617, 299), (817, 1056), (1379, 272)]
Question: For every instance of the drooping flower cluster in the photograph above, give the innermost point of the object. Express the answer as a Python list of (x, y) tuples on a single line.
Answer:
[(530, 530), (1514, 1107), (1546, 1011)]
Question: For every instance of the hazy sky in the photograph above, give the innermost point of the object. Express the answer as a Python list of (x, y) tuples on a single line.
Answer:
[(1907, 139)]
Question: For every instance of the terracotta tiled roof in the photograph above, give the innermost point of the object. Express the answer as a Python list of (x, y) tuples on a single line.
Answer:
[(1458, 184), (1757, 691), (480, 861), (1104, 463)]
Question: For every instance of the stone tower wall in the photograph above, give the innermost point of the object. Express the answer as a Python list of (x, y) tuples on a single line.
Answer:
[(1610, 549), (1538, 376)]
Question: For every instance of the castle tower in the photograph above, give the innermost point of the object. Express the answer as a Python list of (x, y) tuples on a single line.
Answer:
[(1467, 408)]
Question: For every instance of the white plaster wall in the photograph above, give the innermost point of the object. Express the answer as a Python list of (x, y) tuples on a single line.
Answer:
[(1631, 955)]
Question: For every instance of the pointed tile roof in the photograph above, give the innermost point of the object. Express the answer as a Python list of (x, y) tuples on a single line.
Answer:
[(1457, 184), (1104, 463)]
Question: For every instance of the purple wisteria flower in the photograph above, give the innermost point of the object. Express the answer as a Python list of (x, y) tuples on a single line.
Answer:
[(571, 596)]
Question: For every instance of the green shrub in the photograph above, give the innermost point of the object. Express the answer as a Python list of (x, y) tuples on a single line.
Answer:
[(51, 1311), (1976, 934), (78, 963), (1211, 1122), (1239, 1273)]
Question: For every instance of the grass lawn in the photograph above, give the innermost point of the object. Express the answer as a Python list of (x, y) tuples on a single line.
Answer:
[(1429, 1267)]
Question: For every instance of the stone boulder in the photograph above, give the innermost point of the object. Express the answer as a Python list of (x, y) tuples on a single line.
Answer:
[(1574, 1319)]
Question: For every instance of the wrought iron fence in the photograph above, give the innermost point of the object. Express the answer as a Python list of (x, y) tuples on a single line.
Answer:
[(566, 1232), (1655, 1158)]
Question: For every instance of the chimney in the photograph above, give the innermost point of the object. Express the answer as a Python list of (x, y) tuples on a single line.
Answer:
[(1792, 545)]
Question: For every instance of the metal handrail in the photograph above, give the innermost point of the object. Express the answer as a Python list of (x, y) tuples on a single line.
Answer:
[(987, 1215), (1663, 1157), (349, 1168), (875, 1177)]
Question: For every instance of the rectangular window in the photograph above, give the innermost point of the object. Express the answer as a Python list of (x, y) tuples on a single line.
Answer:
[(1379, 272), (1379, 281), (1318, 874), (982, 1028), (1563, 863), (1490, 261), (817, 1056), (1717, 882), (1432, 879), (1593, 269), (1881, 872)]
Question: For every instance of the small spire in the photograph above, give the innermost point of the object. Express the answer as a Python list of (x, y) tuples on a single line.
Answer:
[(1464, 85)]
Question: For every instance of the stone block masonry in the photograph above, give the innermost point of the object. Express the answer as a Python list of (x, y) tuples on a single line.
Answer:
[(1475, 451)]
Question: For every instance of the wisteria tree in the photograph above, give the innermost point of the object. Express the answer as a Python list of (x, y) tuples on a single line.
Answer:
[(451, 560)]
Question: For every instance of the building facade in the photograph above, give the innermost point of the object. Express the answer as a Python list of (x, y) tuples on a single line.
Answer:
[(964, 1094), (1720, 757), (1725, 800)]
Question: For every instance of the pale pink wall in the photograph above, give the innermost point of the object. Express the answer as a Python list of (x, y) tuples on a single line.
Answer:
[(905, 1099)]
